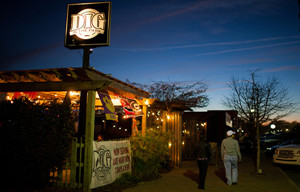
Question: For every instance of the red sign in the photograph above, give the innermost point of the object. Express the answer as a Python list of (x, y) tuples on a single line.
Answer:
[(131, 108)]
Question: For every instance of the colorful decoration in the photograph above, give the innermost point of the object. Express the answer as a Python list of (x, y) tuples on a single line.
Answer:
[(29, 95), (108, 106), (131, 108)]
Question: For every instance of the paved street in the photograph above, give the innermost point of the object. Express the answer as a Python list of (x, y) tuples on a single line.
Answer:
[(293, 172)]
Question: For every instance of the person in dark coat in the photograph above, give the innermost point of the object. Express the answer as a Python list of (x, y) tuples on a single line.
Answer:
[(203, 155)]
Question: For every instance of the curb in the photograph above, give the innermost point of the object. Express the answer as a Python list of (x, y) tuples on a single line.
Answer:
[(289, 180)]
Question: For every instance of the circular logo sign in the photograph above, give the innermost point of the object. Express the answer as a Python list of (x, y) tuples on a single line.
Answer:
[(87, 24)]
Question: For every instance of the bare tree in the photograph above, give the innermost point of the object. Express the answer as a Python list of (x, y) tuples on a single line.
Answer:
[(258, 101), (174, 94)]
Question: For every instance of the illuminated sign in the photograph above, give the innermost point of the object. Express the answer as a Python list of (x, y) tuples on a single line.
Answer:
[(88, 25)]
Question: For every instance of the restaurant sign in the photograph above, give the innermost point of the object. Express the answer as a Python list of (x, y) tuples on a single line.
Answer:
[(88, 25), (110, 160)]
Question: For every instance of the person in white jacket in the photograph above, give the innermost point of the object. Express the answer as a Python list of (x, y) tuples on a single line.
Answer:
[(231, 155)]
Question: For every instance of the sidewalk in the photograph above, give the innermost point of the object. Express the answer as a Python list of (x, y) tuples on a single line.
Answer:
[(184, 179)]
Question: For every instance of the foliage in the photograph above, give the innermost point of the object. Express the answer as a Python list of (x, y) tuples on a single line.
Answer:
[(177, 94), (150, 153), (34, 139), (258, 101), (283, 125)]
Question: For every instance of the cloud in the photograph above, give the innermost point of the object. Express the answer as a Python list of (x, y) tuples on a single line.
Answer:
[(251, 6), (218, 89), (247, 48), (31, 53), (217, 44), (284, 68), (179, 11)]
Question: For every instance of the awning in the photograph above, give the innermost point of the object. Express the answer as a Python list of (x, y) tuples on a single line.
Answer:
[(66, 79)]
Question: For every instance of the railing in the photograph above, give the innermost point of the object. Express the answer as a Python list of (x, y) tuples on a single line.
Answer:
[(71, 174)]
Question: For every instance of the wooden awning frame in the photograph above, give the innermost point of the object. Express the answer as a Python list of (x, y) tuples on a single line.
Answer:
[(66, 79)]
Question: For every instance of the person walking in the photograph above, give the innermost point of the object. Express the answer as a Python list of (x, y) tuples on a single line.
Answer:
[(203, 154), (231, 155)]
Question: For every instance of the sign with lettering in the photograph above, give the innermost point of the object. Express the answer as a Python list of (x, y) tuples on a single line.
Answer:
[(88, 25), (110, 160)]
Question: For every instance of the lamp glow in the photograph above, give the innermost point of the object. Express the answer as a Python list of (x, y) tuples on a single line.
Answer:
[(146, 102), (272, 126)]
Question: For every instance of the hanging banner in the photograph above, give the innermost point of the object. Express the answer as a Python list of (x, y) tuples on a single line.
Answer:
[(108, 106), (136, 107), (131, 107), (29, 95), (110, 160), (129, 113)]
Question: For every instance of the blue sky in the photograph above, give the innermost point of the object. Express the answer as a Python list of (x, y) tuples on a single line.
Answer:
[(162, 40)]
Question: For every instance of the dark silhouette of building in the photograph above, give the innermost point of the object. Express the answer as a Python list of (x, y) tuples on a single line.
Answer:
[(212, 124)]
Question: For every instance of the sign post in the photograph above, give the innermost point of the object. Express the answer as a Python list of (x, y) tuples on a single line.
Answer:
[(83, 96), (87, 26), (88, 144)]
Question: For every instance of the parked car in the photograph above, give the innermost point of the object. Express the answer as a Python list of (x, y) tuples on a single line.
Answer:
[(271, 150), (277, 139), (288, 154), (264, 136)]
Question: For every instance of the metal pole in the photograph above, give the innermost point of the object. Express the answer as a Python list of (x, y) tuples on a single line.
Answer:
[(83, 96), (86, 57)]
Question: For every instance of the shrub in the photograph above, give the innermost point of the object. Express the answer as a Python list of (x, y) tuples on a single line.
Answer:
[(149, 153), (34, 139)]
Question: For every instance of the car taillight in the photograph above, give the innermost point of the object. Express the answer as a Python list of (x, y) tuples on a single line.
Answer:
[(298, 153), (276, 152)]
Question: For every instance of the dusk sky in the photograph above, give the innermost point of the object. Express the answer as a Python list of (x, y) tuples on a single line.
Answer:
[(165, 40)]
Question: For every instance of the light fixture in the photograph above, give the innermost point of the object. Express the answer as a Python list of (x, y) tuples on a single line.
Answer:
[(146, 102), (272, 126)]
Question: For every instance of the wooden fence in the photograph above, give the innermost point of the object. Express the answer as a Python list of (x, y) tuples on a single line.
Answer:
[(71, 174)]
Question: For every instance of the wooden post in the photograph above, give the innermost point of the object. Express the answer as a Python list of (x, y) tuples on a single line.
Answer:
[(180, 139), (164, 127), (89, 137), (144, 120), (170, 127), (82, 114), (177, 143), (73, 163)]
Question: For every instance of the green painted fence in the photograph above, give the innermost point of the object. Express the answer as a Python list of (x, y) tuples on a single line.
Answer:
[(71, 174)]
